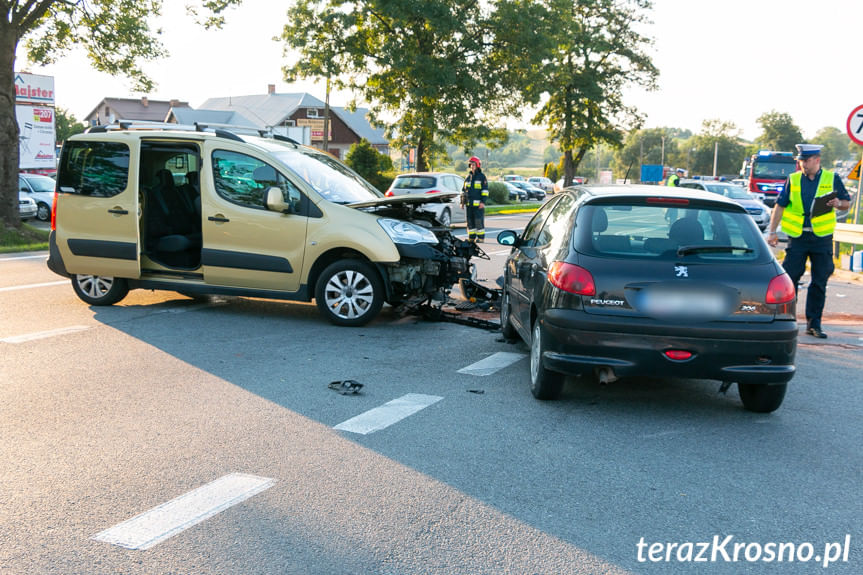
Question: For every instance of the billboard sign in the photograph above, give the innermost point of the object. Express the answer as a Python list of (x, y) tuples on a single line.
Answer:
[(34, 89), (36, 138)]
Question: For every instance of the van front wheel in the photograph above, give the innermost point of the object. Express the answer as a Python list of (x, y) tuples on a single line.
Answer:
[(99, 290), (349, 292)]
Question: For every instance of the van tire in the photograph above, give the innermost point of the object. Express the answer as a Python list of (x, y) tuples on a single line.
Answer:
[(99, 290), (349, 292)]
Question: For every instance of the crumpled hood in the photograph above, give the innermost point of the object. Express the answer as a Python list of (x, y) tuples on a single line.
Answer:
[(410, 199)]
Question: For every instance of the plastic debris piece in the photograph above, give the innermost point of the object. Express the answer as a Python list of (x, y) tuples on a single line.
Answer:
[(346, 387), (476, 391)]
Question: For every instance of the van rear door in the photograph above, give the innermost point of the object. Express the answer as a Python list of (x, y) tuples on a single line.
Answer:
[(97, 208)]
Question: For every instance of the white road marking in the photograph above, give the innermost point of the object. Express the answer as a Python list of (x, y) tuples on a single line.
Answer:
[(388, 414), (29, 286), (43, 256), (44, 334), (492, 363), (166, 520)]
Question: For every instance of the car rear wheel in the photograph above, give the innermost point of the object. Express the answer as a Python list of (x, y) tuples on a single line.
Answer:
[(349, 292), (506, 327), (761, 398), (43, 212), (99, 290), (544, 384)]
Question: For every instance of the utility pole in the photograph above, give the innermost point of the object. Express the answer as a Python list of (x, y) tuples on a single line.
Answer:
[(715, 156), (327, 116)]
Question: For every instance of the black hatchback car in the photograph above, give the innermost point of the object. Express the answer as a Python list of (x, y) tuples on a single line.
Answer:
[(613, 281)]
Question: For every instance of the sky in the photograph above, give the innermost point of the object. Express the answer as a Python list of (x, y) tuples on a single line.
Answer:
[(731, 60)]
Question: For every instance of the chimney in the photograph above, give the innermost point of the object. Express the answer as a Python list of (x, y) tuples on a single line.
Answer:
[(144, 101), (175, 103), (271, 88)]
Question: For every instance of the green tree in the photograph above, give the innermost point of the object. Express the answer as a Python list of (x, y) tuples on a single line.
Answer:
[(652, 146), (365, 160), (65, 125), (584, 54), (419, 62), (779, 132), (835, 145), (717, 140), (115, 34)]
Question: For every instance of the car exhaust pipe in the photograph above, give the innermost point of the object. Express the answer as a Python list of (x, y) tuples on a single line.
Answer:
[(605, 375)]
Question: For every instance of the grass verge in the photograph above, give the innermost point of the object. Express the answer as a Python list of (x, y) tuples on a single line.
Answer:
[(23, 239)]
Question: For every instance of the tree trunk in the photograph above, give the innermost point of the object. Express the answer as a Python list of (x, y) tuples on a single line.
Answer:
[(422, 166), (568, 168), (8, 127)]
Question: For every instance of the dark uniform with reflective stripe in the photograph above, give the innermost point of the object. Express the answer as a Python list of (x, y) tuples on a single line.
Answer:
[(476, 192)]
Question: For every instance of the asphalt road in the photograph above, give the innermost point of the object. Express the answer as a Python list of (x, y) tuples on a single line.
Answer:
[(108, 413)]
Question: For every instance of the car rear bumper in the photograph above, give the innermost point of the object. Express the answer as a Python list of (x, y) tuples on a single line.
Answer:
[(55, 260), (577, 343)]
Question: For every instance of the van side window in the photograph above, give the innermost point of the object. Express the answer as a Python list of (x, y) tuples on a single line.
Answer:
[(244, 180), (99, 169)]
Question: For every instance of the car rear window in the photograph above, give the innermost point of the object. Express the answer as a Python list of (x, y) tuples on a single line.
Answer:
[(694, 232), (414, 182)]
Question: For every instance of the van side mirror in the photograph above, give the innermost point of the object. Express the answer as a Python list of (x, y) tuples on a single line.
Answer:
[(276, 201)]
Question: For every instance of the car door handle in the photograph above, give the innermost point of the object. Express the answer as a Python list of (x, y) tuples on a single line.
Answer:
[(119, 211), (218, 218)]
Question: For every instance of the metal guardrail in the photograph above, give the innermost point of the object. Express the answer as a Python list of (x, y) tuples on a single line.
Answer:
[(848, 233)]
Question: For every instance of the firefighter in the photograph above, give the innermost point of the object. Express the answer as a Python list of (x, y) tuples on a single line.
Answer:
[(474, 195)]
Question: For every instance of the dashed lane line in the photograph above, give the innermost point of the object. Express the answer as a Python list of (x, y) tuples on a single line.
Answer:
[(387, 414), (13, 258), (168, 519), (44, 334), (30, 286), (492, 363)]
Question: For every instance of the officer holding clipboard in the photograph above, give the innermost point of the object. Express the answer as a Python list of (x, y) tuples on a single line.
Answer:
[(806, 209)]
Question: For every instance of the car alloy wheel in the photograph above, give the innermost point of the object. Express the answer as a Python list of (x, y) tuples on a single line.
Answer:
[(43, 212), (544, 384), (445, 218), (506, 328), (349, 292), (99, 290)]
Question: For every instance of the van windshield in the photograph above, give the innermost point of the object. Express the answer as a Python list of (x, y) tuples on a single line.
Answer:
[(329, 177)]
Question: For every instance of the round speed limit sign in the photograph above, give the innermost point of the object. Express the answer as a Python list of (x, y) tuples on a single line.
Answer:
[(854, 125)]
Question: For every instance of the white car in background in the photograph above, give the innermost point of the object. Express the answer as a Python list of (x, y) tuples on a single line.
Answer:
[(41, 190), (544, 184), (449, 211)]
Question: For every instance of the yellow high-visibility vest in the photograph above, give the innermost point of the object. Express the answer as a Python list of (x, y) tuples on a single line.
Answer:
[(792, 217)]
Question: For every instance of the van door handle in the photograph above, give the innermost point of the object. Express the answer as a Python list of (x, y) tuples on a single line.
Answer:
[(219, 218), (120, 211)]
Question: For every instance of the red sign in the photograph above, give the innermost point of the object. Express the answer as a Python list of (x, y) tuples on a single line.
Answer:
[(854, 125)]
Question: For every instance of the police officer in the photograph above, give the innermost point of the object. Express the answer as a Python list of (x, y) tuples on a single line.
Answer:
[(674, 178), (809, 224), (475, 193)]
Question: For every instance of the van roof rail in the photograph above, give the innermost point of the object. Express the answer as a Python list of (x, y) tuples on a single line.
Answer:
[(229, 131)]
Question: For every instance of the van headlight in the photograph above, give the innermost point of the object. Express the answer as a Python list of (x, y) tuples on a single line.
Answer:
[(407, 233)]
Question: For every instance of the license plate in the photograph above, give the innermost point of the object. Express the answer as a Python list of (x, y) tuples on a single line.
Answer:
[(668, 302)]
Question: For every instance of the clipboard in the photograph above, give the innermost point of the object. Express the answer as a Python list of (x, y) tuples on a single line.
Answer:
[(819, 205)]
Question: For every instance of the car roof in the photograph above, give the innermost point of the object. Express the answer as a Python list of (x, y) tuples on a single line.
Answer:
[(645, 191), (420, 174)]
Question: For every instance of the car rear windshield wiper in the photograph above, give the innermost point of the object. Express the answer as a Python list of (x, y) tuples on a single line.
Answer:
[(684, 250)]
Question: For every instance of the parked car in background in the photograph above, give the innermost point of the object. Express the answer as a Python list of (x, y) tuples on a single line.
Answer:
[(543, 183), (600, 284), (516, 194), (513, 178), (576, 181), (449, 210), (753, 206), (26, 207), (533, 193), (41, 189)]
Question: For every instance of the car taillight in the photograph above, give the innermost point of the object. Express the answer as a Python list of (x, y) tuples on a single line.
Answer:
[(571, 278), (678, 354), (54, 213), (675, 201), (389, 193), (433, 192), (780, 290)]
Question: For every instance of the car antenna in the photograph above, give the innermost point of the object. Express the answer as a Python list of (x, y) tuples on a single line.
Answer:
[(627, 171)]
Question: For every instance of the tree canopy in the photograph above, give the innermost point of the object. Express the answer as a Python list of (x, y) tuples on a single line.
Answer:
[(779, 132), (116, 35)]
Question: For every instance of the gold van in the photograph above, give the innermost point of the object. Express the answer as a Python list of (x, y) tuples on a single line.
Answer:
[(202, 211)]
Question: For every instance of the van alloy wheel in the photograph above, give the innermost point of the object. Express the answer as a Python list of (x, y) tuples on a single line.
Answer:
[(349, 292), (99, 290)]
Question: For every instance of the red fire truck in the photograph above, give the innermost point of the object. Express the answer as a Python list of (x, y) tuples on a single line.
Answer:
[(768, 171)]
